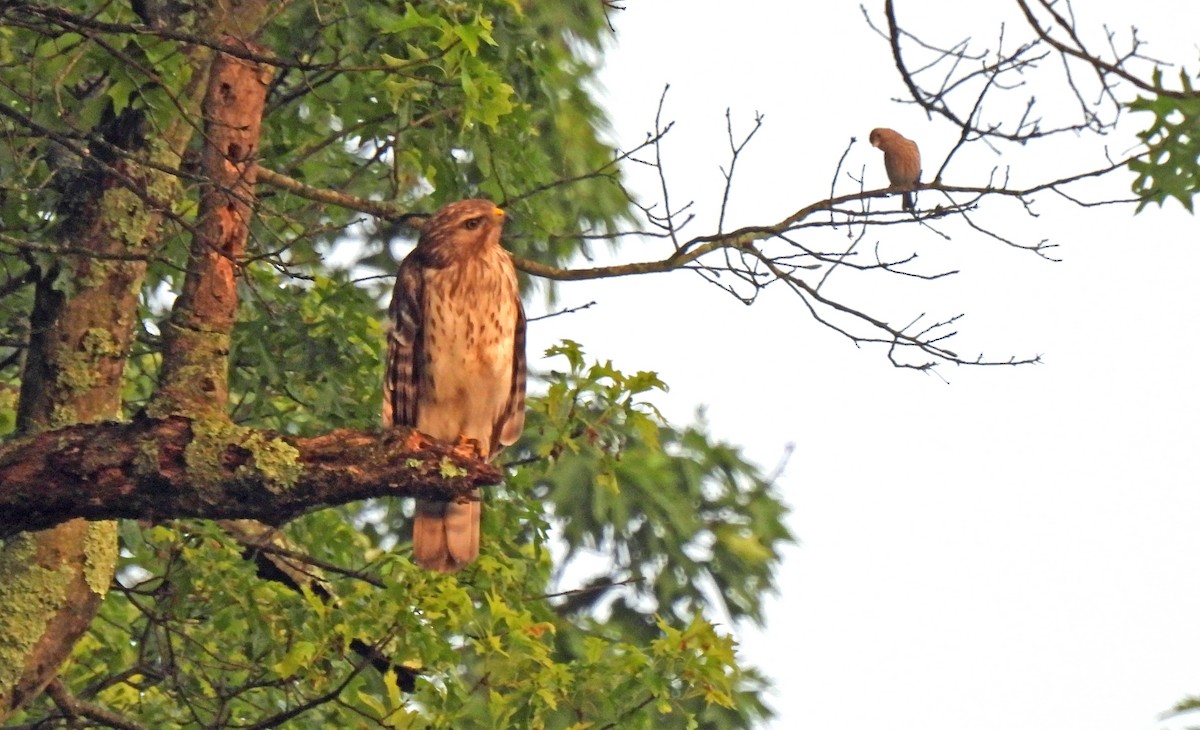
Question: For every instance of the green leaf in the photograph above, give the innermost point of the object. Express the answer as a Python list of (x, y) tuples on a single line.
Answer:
[(299, 655)]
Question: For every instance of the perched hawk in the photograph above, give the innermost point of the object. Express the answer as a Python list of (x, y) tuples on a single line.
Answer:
[(456, 359), (901, 159)]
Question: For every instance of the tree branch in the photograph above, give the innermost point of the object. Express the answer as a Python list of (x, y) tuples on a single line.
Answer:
[(177, 467), (73, 707), (194, 377)]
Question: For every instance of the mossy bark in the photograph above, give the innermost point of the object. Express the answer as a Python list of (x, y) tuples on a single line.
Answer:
[(82, 321), (156, 469)]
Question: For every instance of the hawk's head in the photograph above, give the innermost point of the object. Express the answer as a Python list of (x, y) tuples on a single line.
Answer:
[(461, 229), (881, 137)]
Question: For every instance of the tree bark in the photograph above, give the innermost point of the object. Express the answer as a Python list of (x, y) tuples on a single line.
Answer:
[(158, 469), (82, 323), (195, 373)]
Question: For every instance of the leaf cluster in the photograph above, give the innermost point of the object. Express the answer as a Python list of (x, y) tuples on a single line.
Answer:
[(1171, 166)]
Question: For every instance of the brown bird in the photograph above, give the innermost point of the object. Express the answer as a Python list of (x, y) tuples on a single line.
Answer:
[(901, 159), (456, 359)]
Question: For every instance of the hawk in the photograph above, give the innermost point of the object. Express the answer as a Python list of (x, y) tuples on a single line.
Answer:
[(901, 158), (456, 359)]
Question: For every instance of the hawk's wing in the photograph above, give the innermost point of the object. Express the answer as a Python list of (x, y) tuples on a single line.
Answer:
[(405, 352), (508, 430)]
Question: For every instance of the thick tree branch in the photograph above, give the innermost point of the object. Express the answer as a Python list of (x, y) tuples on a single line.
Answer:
[(194, 377), (176, 467)]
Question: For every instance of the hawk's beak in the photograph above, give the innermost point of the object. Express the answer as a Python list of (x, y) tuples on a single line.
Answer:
[(499, 213)]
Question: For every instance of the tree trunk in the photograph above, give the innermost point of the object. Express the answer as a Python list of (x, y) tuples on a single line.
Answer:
[(83, 322)]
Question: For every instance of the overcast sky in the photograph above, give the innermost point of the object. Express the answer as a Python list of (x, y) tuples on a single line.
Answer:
[(1016, 548)]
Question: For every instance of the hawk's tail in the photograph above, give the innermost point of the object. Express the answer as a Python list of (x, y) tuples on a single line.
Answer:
[(446, 534)]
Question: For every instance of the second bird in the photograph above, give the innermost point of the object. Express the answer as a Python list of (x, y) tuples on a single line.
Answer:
[(901, 158)]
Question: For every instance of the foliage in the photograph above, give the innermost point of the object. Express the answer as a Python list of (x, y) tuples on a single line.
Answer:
[(194, 635), (414, 104), (1171, 167), (725, 540), (1185, 706)]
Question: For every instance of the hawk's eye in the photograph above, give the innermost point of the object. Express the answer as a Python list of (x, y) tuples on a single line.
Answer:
[(472, 223)]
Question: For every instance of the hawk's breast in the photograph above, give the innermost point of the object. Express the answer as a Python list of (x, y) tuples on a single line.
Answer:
[(471, 316)]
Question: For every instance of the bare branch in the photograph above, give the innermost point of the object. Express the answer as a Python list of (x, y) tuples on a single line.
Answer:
[(735, 151), (73, 707), (568, 310)]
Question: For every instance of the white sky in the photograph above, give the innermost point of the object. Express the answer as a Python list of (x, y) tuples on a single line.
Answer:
[(1015, 549)]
